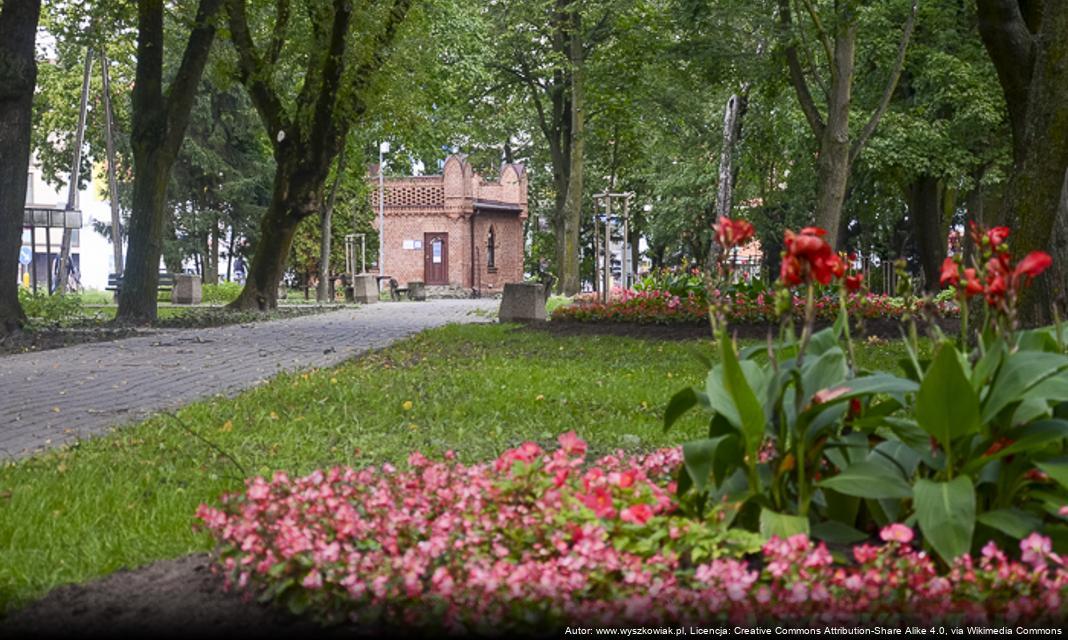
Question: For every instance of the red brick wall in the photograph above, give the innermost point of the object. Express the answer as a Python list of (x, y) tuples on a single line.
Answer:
[(508, 234), (407, 264)]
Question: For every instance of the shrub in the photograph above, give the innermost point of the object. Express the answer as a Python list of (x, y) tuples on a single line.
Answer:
[(222, 293), (52, 308)]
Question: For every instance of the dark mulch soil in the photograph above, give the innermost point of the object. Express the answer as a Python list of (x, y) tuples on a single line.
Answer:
[(171, 598), (884, 328), (42, 337)]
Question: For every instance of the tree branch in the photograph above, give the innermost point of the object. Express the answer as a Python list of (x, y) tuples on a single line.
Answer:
[(278, 34), (1010, 44), (322, 125), (183, 88), (253, 73), (797, 76), (825, 40), (888, 92)]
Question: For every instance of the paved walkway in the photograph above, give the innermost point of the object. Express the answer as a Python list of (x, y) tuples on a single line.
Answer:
[(57, 396)]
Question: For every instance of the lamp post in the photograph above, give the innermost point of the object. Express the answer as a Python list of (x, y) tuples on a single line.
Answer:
[(383, 148)]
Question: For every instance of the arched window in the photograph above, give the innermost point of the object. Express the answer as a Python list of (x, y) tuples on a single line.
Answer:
[(491, 249)]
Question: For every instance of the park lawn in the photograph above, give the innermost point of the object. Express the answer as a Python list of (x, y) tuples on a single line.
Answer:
[(128, 498)]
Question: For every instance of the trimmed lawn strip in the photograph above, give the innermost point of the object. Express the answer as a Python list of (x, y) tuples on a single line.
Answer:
[(128, 499)]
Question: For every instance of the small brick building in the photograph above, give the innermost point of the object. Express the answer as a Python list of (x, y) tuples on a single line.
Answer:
[(456, 229)]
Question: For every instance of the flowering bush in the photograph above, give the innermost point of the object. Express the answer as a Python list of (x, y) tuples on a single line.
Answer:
[(534, 540), (664, 307)]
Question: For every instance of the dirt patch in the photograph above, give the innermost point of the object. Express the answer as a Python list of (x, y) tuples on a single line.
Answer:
[(883, 328), (43, 339), (171, 598), (55, 336)]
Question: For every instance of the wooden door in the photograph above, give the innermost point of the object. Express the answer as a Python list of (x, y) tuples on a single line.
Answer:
[(436, 258)]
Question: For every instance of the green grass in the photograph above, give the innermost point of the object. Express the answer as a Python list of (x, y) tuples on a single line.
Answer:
[(128, 498)]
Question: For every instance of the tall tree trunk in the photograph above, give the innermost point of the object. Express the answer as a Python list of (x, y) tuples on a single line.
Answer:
[(925, 198), (18, 78), (837, 147), (159, 123), (322, 292), (1030, 54), (295, 196), (569, 271), (835, 163)]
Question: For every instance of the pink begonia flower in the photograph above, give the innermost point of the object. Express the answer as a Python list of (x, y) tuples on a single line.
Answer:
[(1035, 548), (636, 514), (896, 532), (1064, 510), (314, 580), (572, 444)]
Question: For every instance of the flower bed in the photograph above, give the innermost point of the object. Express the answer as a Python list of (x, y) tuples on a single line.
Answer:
[(536, 540), (663, 307)]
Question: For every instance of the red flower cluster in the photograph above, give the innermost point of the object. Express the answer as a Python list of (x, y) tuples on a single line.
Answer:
[(951, 276), (732, 233), (999, 277), (809, 257)]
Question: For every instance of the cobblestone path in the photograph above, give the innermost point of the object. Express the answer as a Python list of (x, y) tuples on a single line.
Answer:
[(57, 396)]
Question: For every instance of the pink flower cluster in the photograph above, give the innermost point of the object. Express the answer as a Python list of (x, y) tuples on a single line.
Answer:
[(535, 540), (661, 307)]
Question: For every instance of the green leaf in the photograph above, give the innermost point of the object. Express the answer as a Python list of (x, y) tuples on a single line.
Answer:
[(865, 386), (750, 410), (1021, 371), (1057, 469), (781, 525), (946, 405), (987, 365), (837, 533), (719, 399), (679, 404), (1013, 522), (946, 515), (869, 479), (824, 373), (709, 458), (1026, 439)]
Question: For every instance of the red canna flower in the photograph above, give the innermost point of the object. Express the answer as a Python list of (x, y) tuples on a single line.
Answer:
[(1033, 264), (732, 233), (996, 236), (972, 286), (950, 272), (854, 282), (809, 256)]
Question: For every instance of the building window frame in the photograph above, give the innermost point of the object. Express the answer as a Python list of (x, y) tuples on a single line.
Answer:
[(491, 250)]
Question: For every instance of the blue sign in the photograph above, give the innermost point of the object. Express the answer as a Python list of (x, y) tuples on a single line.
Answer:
[(25, 255)]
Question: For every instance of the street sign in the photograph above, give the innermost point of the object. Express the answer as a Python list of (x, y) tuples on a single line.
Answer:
[(25, 255)]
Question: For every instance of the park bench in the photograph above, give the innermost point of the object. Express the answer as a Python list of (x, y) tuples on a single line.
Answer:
[(166, 281), (395, 290)]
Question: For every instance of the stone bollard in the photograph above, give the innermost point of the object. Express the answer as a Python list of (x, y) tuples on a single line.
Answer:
[(186, 289), (416, 290), (365, 288), (523, 302)]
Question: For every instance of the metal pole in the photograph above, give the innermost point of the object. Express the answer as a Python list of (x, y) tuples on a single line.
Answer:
[(113, 184), (75, 171), (48, 255), (607, 273), (624, 272), (596, 246), (363, 253), (383, 148), (33, 256)]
